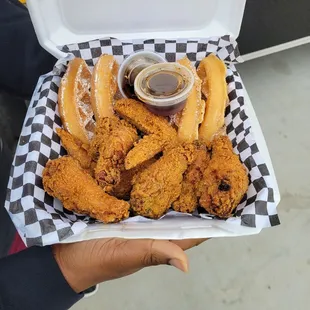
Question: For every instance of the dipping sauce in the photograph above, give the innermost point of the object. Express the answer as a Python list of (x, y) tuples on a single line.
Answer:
[(164, 84), (131, 67), (164, 87)]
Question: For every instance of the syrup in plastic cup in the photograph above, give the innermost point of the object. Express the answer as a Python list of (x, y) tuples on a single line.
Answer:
[(131, 67), (164, 87)]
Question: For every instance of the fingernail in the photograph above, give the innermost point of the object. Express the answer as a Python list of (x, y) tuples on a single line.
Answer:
[(178, 264)]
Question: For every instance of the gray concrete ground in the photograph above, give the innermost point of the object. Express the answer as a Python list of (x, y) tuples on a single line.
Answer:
[(267, 271)]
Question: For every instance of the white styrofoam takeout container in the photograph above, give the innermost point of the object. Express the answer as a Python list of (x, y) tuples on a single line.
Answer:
[(61, 22)]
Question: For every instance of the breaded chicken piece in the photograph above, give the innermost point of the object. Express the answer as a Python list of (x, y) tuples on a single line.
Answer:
[(75, 148), (159, 132), (138, 115), (145, 149), (114, 138), (63, 178), (158, 186), (123, 188), (188, 199), (106, 126), (103, 128), (225, 180)]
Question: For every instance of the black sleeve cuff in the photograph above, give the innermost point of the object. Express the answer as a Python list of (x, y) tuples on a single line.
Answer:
[(32, 279)]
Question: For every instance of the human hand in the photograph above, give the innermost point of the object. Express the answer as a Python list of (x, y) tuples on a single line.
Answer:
[(87, 263)]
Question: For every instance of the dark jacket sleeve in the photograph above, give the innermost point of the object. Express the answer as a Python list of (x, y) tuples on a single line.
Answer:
[(22, 59), (32, 280)]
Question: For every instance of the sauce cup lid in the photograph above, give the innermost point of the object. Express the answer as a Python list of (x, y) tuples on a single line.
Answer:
[(164, 84)]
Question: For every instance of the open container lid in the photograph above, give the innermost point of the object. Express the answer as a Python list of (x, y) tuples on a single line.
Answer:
[(61, 22)]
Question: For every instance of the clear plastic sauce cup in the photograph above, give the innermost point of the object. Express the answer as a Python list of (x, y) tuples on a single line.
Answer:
[(131, 67), (164, 87)]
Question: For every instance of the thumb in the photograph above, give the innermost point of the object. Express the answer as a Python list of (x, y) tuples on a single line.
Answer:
[(87, 263), (160, 252), (133, 255)]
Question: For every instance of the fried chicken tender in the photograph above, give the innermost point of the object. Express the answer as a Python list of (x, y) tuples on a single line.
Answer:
[(63, 178), (157, 127), (225, 180), (75, 148), (158, 186), (114, 138), (138, 115), (188, 199), (144, 149)]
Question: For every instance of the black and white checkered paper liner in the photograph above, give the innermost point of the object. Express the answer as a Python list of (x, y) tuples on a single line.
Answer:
[(41, 219)]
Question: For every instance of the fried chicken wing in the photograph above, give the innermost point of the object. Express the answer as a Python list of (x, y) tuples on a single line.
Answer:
[(114, 138), (64, 179), (75, 148), (123, 188), (157, 127), (188, 199), (225, 180), (158, 186)]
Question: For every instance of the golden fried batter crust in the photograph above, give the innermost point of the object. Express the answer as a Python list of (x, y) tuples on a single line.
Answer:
[(123, 188), (114, 138), (145, 149), (188, 199), (63, 178), (159, 132), (138, 115), (225, 180), (158, 186), (75, 148)]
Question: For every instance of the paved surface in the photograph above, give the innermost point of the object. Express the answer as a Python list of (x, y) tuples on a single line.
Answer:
[(269, 271)]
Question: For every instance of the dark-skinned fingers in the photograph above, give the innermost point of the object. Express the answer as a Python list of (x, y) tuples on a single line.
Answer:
[(187, 244), (137, 254)]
